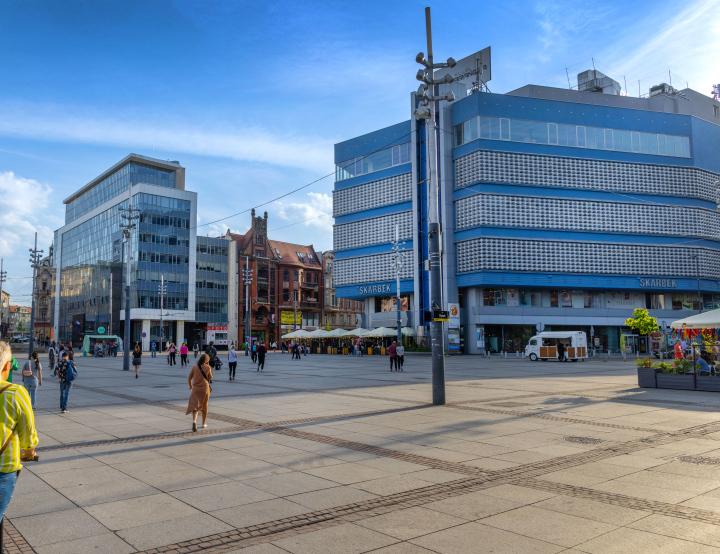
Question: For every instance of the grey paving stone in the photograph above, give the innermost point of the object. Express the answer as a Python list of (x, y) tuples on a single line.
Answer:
[(134, 512), (62, 526), (171, 531), (106, 543), (342, 539)]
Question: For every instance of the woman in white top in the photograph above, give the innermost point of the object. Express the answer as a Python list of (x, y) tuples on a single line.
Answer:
[(32, 376), (232, 361)]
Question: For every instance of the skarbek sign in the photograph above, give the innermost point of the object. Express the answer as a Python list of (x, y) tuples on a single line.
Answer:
[(375, 289), (658, 283)]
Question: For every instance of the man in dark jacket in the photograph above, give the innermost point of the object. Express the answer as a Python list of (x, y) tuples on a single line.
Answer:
[(261, 356)]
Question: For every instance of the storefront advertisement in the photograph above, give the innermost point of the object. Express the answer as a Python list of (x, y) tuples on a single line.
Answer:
[(480, 338), (389, 303), (286, 318), (566, 298), (501, 298), (625, 300), (454, 311), (513, 297), (454, 340)]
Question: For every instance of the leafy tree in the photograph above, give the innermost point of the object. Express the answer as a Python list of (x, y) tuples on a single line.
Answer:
[(642, 322)]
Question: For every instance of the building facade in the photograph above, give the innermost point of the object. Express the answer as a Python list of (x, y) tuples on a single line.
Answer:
[(337, 313), (44, 281), (4, 314), (284, 293), (560, 209), (20, 320), (90, 253)]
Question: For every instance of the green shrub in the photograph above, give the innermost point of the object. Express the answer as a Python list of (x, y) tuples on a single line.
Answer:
[(644, 362), (683, 366), (664, 367)]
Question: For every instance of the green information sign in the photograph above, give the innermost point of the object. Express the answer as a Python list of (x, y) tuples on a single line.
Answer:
[(101, 329)]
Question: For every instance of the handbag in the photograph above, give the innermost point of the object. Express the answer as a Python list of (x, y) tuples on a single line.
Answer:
[(206, 378), (27, 372)]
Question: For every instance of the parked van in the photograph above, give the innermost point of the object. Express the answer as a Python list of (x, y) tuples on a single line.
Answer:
[(543, 346)]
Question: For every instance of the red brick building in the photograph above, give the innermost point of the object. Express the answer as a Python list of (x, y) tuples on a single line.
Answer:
[(284, 293)]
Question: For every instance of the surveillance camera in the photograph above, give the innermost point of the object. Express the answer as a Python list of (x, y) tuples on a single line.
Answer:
[(450, 96), (422, 112), (451, 62), (420, 58), (421, 91), (448, 78), (420, 75)]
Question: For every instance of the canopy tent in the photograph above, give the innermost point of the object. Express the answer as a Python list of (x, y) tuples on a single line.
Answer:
[(355, 332), (380, 332), (337, 333), (299, 334), (317, 334), (706, 320), (408, 331)]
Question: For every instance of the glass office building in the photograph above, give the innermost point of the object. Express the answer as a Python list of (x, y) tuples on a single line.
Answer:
[(564, 208), (91, 253)]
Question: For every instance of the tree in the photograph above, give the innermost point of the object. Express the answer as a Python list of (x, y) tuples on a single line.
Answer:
[(642, 322)]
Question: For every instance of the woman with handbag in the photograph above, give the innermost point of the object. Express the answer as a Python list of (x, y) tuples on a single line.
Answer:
[(32, 376), (199, 381), (137, 360)]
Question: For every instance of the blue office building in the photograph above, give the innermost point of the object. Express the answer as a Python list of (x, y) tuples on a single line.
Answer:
[(562, 209)]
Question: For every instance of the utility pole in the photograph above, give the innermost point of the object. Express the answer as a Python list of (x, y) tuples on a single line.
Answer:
[(35, 257), (398, 253), (3, 278), (129, 215), (426, 111), (162, 290), (111, 292), (247, 279), (294, 310)]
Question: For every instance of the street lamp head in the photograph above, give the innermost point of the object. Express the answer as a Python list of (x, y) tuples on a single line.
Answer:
[(420, 76), (451, 62), (448, 78), (420, 58), (450, 97)]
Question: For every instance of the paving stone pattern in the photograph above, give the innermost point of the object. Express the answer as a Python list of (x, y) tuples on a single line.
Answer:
[(295, 462)]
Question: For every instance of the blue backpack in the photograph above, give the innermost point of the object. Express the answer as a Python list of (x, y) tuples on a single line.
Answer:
[(71, 372)]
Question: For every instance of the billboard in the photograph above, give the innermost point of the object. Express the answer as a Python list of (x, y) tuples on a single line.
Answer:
[(469, 71), (286, 318)]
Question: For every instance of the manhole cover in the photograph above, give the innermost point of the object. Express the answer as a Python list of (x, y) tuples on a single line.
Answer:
[(508, 404), (583, 440), (699, 460)]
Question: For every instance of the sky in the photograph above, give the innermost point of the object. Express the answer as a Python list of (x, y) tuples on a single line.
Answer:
[(250, 97)]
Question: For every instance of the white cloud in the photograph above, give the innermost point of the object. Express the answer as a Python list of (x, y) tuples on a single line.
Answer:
[(23, 204), (317, 212), (251, 143)]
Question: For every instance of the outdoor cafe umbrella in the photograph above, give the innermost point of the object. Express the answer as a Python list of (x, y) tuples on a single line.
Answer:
[(299, 334), (408, 331), (337, 333), (354, 333), (380, 332), (317, 334), (705, 320)]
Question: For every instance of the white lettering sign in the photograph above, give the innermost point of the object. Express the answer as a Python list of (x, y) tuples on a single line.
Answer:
[(375, 289), (658, 283)]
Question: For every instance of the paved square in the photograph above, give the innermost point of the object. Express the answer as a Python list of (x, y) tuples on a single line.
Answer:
[(337, 454)]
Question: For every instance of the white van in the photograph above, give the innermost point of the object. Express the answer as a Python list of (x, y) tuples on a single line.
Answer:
[(543, 346)]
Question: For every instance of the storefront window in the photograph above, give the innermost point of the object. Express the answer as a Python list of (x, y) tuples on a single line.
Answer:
[(488, 297), (389, 303), (554, 303)]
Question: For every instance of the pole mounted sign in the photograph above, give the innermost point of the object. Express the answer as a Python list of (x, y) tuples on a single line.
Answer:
[(441, 315)]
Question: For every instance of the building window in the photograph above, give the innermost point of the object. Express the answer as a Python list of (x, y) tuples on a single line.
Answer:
[(310, 258), (716, 111), (258, 239), (259, 253), (316, 279), (295, 276), (286, 275), (286, 295), (300, 256)]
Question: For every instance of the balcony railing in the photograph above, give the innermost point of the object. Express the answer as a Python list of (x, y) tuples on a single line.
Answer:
[(309, 285)]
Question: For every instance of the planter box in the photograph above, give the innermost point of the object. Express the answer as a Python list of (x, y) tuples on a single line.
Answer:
[(708, 383), (684, 382), (646, 377)]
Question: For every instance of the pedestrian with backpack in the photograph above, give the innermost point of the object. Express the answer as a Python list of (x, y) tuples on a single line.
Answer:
[(253, 357), (66, 373), (211, 351), (137, 360), (199, 380), (32, 376)]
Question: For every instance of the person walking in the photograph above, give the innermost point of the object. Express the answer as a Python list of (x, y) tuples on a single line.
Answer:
[(32, 376), (400, 355), (392, 350), (66, 373), (183, 355), (137, 360), (678, 349), (253, 357), (232, 361), (196, 348), (211, 351), (153, 354), (173, 352), (18, 422), (199, 380), (52, 353), (261, 350)]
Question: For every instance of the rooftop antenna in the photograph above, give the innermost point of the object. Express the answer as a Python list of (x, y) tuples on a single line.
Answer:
[(593, 62), (568, 77)]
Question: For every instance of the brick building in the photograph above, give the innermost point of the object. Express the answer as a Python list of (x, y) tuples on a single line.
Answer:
[(284, 294)]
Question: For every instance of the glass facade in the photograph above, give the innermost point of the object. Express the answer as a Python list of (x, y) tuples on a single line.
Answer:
[(576, 136), (116, 183), (211, 285), (382, 159)]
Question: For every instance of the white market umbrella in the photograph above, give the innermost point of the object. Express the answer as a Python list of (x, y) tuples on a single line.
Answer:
[(337, 333), (380, 332), (705, 320), (408, 331), (355, 332), (317, 334), (299, 334)]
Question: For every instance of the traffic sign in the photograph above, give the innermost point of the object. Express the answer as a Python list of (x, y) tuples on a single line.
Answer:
[(144, 335), (101, 329)]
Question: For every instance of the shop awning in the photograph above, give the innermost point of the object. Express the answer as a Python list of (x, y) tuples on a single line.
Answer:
[(705, 320)]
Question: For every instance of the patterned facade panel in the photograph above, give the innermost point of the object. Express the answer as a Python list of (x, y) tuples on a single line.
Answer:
[(585, 215), (371, 195), (376, 230), (495, 254), (369, 269), (507, 167)]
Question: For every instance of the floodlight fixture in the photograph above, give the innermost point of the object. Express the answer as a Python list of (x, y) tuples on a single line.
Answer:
[(420, 58)]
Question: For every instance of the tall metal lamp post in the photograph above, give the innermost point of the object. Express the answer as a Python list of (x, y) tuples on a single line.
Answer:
[(162, 291), (3, 278), (35, 257), (129, 216), (398, 254), (247, 279)]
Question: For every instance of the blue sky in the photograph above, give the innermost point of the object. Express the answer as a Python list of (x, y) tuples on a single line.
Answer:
[(251, 96)]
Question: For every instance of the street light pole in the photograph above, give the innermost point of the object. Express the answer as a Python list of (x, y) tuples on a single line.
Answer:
[(162, 290), (426, 111), (399, 262), (247, 279), (129, 214), (35, 256), (697, 271)]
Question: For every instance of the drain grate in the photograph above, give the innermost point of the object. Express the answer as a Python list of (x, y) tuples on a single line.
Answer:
[(583, 440), (509, 404), (699, 460)]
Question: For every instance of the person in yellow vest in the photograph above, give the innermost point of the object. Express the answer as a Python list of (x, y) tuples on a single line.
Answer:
[(19, 436)]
